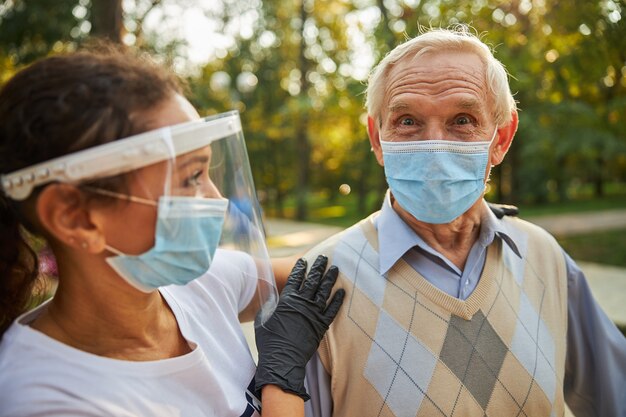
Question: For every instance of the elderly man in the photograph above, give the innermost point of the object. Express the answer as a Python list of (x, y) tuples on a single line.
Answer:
[(451, 310)]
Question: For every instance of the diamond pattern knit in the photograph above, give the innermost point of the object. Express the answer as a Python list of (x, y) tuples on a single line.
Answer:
[(401, 347)]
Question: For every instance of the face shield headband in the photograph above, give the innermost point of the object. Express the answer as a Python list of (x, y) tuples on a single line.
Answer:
[(121, 156)]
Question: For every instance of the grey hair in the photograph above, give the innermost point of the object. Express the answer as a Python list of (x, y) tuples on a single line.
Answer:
[(456, 39)]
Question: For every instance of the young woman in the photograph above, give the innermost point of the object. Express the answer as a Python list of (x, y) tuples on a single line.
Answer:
[(102, 156)]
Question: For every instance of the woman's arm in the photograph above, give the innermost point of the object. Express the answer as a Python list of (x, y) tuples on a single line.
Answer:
[(282, 268), (278, 403), (291, 335)]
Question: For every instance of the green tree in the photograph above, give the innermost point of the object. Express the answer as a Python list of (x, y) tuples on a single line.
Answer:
[(296, 72), (32, 29)]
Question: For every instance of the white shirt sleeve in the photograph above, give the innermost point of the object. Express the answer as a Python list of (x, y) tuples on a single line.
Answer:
[(236, 272)]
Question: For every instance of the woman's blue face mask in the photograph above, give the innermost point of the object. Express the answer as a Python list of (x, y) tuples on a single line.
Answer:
[(436, 181), (188, 231)]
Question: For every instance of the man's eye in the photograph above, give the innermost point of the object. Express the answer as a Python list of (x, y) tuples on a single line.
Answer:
[(463, 120), (407, 121)]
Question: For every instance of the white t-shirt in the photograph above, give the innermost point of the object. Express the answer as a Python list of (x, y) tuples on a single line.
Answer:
[(40, 376)]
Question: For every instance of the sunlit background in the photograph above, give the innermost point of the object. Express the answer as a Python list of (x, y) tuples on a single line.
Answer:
[(296, 71)]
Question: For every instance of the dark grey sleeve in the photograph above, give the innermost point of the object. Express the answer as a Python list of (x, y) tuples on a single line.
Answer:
[(317, 384), (595, 367)]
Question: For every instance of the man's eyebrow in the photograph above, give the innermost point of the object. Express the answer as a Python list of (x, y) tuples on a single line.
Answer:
[(398, 106), (469, 104), (464, 104)]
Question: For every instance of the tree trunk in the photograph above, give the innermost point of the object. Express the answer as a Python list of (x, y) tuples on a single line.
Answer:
[(303, 151), (598, 182), (107, 19), (561, 182)]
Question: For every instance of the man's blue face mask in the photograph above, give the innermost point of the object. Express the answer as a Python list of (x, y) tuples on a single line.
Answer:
[(436, 181), (188, 231)]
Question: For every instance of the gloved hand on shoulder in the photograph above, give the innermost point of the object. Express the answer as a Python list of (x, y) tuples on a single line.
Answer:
[(289, 338)]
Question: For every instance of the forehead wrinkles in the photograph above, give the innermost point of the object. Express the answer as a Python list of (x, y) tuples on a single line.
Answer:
[(442, 80)]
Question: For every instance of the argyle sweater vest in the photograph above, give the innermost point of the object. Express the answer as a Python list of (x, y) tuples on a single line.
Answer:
[(401, 347)]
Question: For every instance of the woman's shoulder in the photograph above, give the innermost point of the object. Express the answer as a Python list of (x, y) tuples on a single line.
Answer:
[(28, 370), (22, 347)]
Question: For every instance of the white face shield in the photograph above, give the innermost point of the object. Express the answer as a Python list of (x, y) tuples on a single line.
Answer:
[(194, 184)]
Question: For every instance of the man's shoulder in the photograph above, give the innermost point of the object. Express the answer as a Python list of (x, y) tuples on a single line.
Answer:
[(529, 237), (527, 227), (510, 216)]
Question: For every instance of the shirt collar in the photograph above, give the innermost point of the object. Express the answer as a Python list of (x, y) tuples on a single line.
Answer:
[(395, 237)]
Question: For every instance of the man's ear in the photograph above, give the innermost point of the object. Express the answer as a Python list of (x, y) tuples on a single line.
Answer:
[(503, 140), (63, 213), (372, 131)]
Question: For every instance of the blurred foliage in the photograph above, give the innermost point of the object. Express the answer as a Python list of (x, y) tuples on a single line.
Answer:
[(29, 30), (600, 247), (296, 71)]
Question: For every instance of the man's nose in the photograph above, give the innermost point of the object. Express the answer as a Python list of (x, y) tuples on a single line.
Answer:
[(433, 131)]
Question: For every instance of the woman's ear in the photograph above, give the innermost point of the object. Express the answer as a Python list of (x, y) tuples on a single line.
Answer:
[(64, 215), (503, 140)]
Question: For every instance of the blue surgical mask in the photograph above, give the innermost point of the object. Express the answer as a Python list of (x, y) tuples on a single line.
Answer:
[(188, 231), (436, 181)]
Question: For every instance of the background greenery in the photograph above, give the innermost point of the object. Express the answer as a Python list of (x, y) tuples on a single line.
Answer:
[(296, 71)]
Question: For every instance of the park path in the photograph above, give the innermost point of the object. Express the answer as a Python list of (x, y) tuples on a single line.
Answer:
[(577, 223)]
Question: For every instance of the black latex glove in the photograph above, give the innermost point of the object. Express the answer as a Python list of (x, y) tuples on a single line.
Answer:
[(292, 334)]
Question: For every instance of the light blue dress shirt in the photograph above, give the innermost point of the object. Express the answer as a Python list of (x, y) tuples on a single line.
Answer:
[(397, 240), (595, 369)]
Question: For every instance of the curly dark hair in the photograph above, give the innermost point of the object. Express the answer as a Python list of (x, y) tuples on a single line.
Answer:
[(58, 105)]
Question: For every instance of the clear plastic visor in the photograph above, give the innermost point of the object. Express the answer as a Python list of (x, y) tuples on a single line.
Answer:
[(212, 178)]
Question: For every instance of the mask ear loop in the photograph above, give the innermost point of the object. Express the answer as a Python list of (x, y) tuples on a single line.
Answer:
[(115, 251), (495, 133), (493, 137), (120, 196)]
